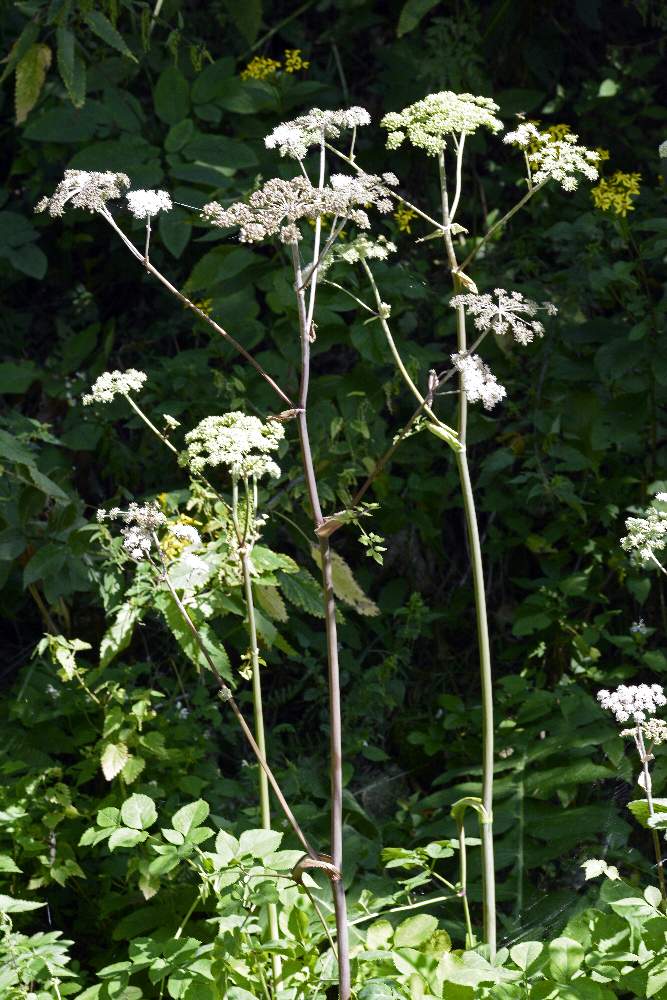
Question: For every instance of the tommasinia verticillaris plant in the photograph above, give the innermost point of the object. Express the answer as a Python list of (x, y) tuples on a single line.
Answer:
[(87, 189), (638, 703), (479, 382), (427, 123), (560, 160), (277, 207), (647, 534), (508, 312), (112, 384), (240, 442), (142, 522), (294, 138)]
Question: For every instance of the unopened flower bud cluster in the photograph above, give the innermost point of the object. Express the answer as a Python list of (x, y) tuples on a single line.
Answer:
[(112, 384), (634, 702), (505, 313)]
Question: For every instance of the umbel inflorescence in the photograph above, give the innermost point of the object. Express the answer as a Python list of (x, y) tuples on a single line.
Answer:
[(560, 160), (648, 534), (87, 189), (277, 207), (427, 123), (240, 442), (294, 138), (633, 702), (479, 382), (507, 312), (112, 384), (141, 524)]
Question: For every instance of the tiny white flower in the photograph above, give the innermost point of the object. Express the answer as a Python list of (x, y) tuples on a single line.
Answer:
[(479, 382), (88, 189), (240, 442), (635, 702), (556, 159), (647, 535), (186, 532), (141, 523), (146, 204), (294, 138), (505, 313), (112, 384), (662, 150), (427, 123)]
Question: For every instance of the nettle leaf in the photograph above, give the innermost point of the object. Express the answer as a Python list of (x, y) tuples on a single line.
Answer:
[(271, 602), (190, 816), (114, 758), (345, 586), (138, 812), (30, 76), (259, 843), (302, 590)]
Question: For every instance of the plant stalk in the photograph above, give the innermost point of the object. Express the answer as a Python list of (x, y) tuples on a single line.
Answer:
[(648, 788), (335, 724)]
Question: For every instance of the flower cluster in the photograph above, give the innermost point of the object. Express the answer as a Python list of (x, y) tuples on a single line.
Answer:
[(145, 204), (615, 193), (260, 68), (295, 137), (88, 189), (141, 523), (294, 61), (111, 384), (185, 533), (277, 206), (361, 248), (242, 443), (635, 702), (662, 150), (404, 217), (648, 534), (554, 159), (479, 382), (427, 123), (505, 313)]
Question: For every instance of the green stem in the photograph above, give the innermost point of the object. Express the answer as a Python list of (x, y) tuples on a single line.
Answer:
[(463, 877), (140, 413), (488, 865)]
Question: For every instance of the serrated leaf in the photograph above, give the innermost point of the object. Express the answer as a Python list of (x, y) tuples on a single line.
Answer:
[(226, 845), (138, 812), (71, 67), (190, 816), (117, 637), (8, 904), (259, 843), (302, 590), (104, 29), (345, 586), (20, 47), (114, 758), (411, 14), (415, 931), (30, 76), (7, 865), (124, 837), (108, 817), (271, 602)]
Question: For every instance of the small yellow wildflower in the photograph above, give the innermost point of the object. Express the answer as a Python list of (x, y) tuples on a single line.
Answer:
[(294, 61), (615, 193), (603, 154), (206, 305), (260, 68), (404, 217), (557, 132)]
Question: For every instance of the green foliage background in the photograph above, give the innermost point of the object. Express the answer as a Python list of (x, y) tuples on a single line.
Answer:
[(579, 443)]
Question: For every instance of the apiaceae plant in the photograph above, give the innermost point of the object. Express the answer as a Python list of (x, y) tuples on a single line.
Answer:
[(323, 217)]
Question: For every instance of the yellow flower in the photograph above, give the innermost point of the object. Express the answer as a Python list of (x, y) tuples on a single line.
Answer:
[(404, 217), (602, 153), (260, 68), (557, 132), (206, 305), (615, 193), (294, 61)]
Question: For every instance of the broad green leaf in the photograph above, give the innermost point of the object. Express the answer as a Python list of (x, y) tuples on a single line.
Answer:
[(259, 843), (220, 264), (100, 25), (29, 260), (7, 865), (119, 634), (138, 812), (247, 16), (411, 14), (415, 931), (345, 586), (175, 229), (171, 96), (47, 485), (379, 935), (190, 816), (108, 817), (566, 957), (25, 40), (71, 66), (30, 76), (46, 562), (114, 758), (526, 953), (226, 845), (123, 837), (8, 904), (16, 376)]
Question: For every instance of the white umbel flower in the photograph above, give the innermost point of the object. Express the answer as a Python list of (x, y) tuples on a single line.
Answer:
[(146, 204), (88, 189), (648, 534), (275, 208), (294, 138), (186, 533), (241, 443), (479, 382), (141, 523), (634, 702), (662, 150), (360, 248), (427, 123), (505, 313), (560, 160), (112, 384)]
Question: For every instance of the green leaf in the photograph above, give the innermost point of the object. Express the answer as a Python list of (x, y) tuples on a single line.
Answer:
[(458, 810), (175, 230), (27, 37), (379, 935), (415, 931), (71, 67), (16, 376), (179, 134), (189, 817), (171, 96), (412, 13), (138, 812), (8, 904), (15, 451), (566, 957), (220, 264), (47, 562), (101, 26), (7, 865), (247, 16), (122, 837), (345, 586), (113, 759), (226, 845), (259, 843), (30, 76), (108, 817), (47, 485), (639, 809), (119, 634), (608, 88), (29, 260), (526, 953)]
